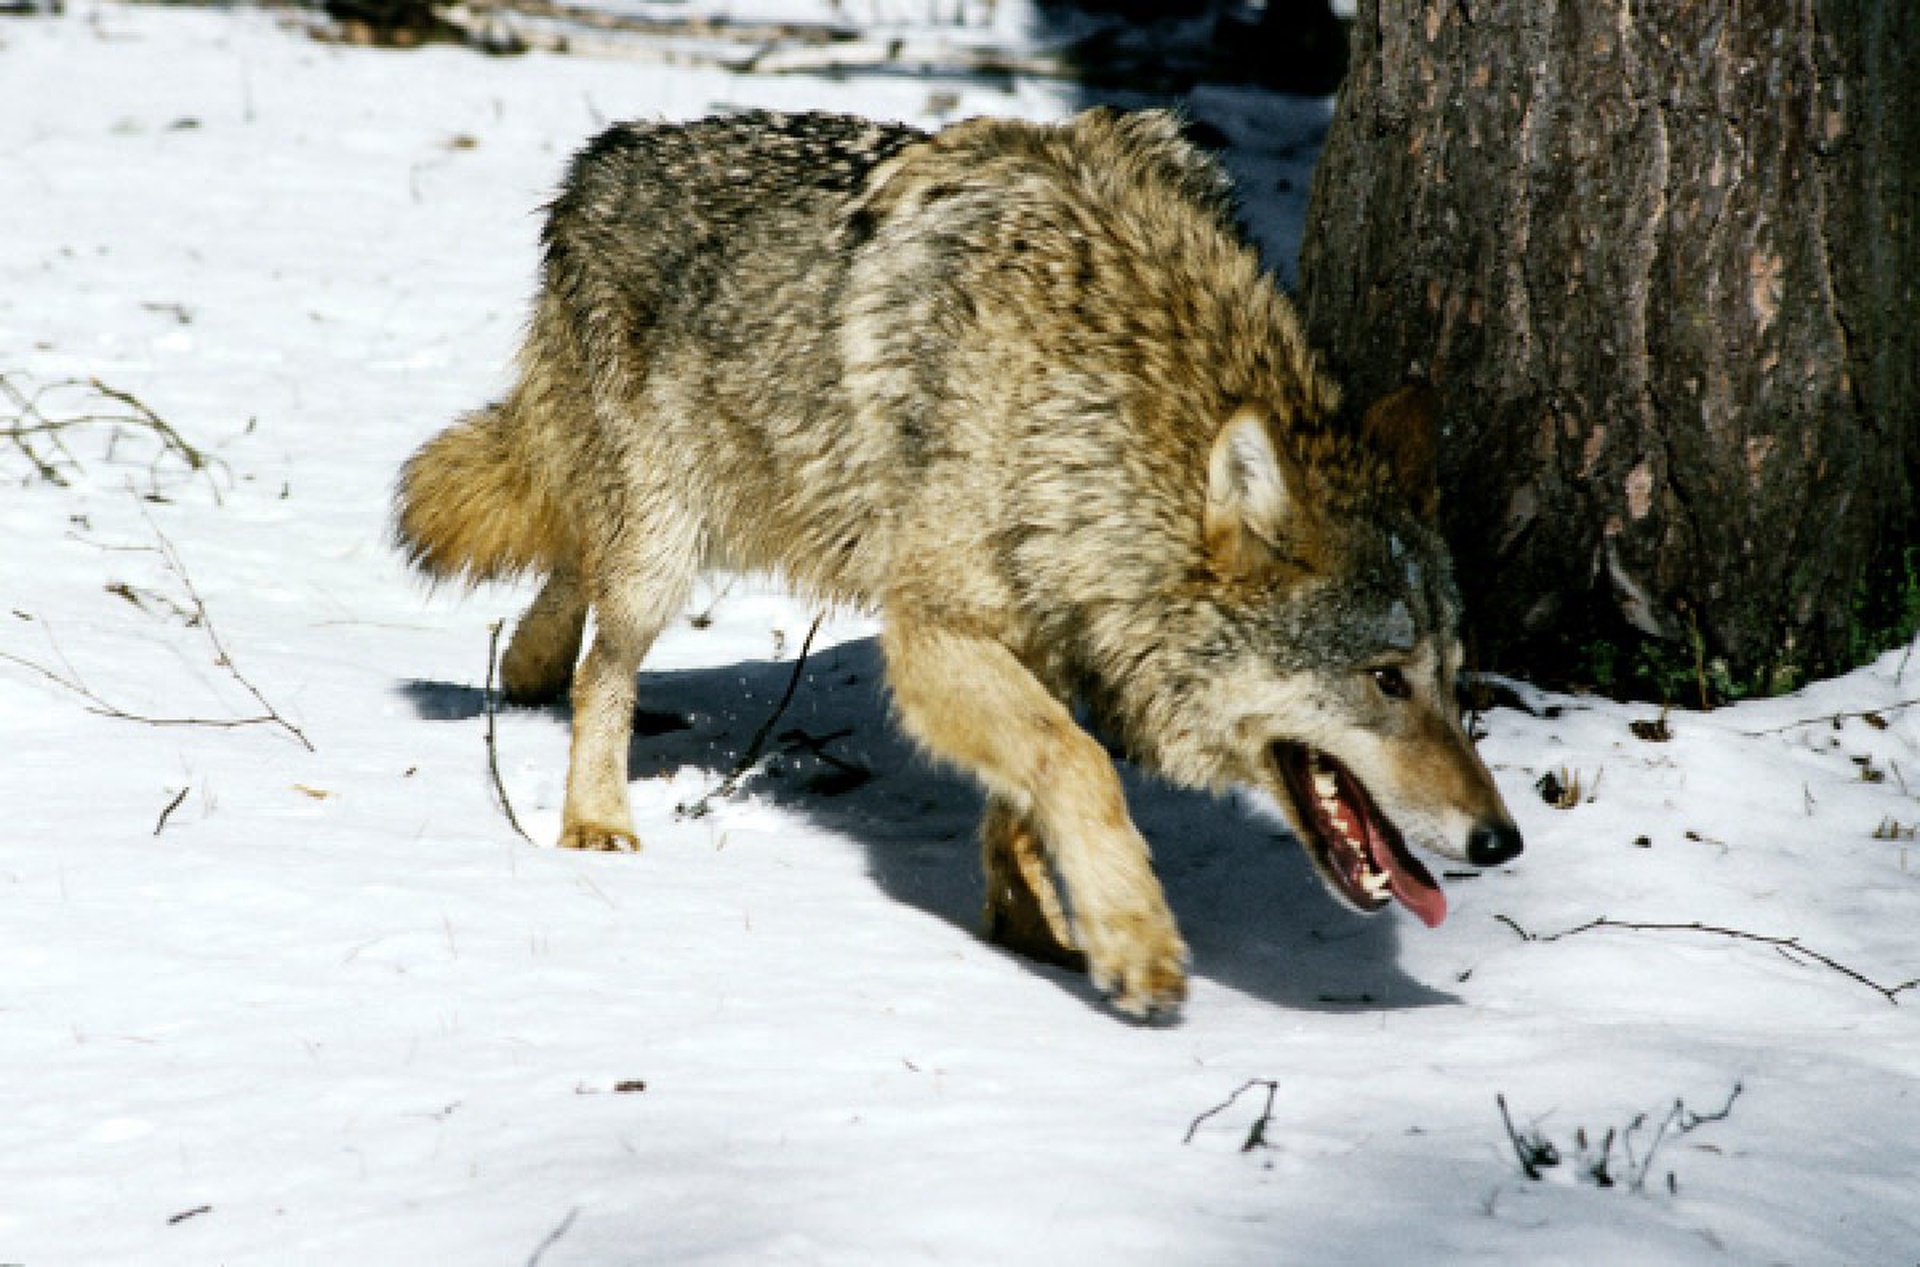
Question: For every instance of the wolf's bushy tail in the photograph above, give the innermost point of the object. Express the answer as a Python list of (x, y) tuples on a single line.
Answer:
[(470, 506)]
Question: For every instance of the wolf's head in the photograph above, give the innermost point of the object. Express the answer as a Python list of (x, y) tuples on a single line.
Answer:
[(1326, 618)]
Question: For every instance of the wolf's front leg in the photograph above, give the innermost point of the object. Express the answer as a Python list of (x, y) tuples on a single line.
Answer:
[(596, 815), (638, 589), (968, 699)]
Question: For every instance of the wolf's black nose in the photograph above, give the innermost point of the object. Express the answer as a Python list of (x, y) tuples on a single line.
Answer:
[(1489, 846)]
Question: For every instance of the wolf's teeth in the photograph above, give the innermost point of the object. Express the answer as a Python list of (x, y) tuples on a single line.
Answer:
[(1325, 785), (1375, 883)]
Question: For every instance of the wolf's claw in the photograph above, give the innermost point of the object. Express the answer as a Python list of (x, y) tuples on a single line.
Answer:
[(1140, 964)]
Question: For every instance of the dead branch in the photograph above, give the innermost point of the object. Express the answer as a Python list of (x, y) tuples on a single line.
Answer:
[(1833, 719), (1680, 1120), (1536, 1152), (172, 805), (200, 618), (846, 775), (100, 706), (756, 747), (1791, 945), (552, 1238), (493, 747), (146, 600), (204, 619), (1533, 1149), (41, 436), (1257, 1133)]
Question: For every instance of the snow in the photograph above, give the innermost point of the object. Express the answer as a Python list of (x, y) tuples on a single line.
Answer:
[(329, 1008)]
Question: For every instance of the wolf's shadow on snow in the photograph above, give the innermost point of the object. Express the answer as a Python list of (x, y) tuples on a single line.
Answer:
[(1247, 899)]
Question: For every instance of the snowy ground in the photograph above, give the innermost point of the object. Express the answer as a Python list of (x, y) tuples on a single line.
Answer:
[(265, 1004)]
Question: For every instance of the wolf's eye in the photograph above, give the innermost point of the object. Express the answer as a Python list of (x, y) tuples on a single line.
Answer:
[(1392, 682)]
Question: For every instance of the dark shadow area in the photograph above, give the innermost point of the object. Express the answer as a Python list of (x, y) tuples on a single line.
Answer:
[(1296, 47), (1248, 902), (1165, 47), (1254, 82), (443, 701)]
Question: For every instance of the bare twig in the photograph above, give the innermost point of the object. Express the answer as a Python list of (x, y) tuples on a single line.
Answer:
[(41, 436), (141, 598), (756, 747), (100, 706), (1533, 1149), (1791, 944), (1599, 1169), (204, 619), (199, 617), (553, 1237), (172, 805), (1536, 1152), (1257, 1133), (1832, 718), (846, 775), (493, 767), (1680, 1119)]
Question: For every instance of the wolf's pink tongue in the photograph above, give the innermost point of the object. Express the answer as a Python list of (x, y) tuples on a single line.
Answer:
[(1424, 900), (1410, 882)]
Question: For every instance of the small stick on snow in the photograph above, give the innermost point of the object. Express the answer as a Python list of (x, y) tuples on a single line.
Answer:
[(99, 705), (1534, 1151), (1832, 718), (204, 619), (756, 747), (1680, 1119), (1257, 1134), (200, 617), (493, 763), (1890, 992), (172, 805), (533, 1260), (40, 437)]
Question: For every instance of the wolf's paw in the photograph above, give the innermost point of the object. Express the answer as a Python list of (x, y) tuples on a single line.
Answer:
[(598, 839), (1139, 962)]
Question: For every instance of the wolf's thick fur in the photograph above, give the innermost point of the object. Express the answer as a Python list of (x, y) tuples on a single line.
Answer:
[(1024, 390)]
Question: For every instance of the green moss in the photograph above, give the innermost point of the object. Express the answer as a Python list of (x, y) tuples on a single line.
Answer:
[(1885, 612), (1592, 649)]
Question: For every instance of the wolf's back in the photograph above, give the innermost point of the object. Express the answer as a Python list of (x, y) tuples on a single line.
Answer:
[(693, 254)]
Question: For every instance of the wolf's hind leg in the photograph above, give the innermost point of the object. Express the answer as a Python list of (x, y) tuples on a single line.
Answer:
[(1023, 905), (635, 595), (546, 643), (968, 699)]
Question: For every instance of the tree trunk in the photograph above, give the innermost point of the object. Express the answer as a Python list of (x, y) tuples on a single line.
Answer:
[(1660, 261)]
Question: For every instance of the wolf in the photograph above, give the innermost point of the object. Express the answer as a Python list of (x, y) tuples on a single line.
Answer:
[(1026, 391)]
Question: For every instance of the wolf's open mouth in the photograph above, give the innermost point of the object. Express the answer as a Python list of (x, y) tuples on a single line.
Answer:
[(1356, 847)]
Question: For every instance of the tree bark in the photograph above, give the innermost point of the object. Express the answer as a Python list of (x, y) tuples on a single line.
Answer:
[(1660, 261)]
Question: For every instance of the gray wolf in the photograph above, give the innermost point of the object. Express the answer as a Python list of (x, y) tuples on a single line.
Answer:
[(1025, 391)]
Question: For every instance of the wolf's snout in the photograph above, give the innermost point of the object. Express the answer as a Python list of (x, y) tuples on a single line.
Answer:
[(1492, 844)]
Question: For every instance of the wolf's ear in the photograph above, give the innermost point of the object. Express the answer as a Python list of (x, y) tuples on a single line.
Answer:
[(1404, 428), (1249, 498)]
